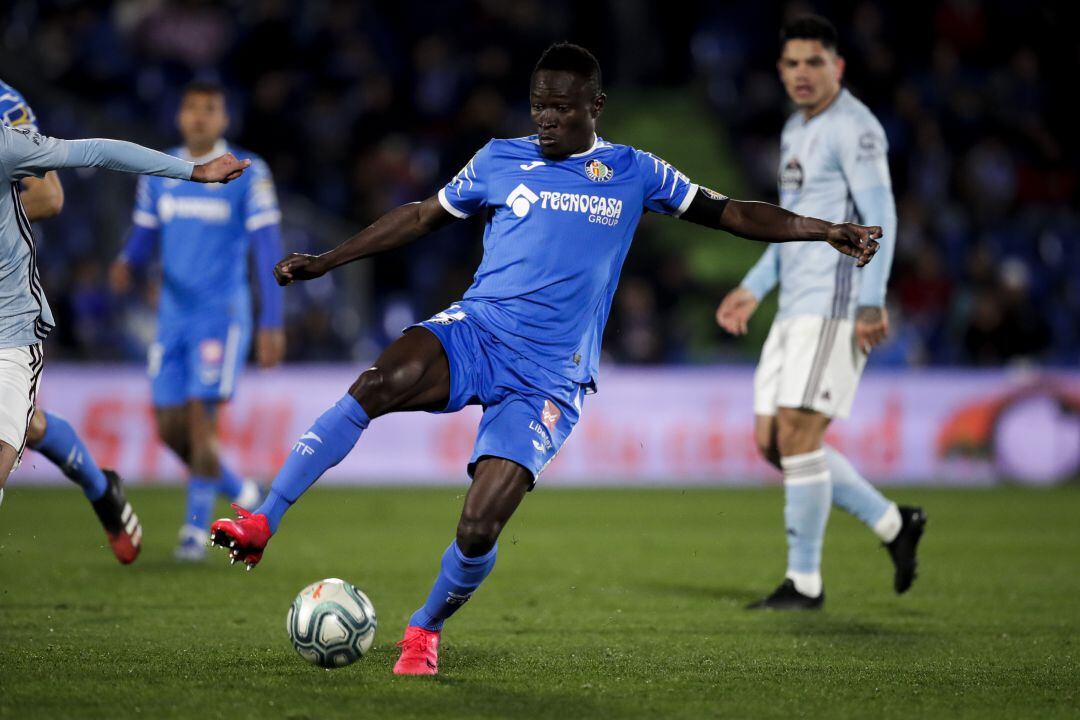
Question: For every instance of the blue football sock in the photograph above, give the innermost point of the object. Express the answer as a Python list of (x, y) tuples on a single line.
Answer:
[(201, 492), (229, 483), (459, 576), (322, 447), (852, 492), (65, 450), (807, 497)]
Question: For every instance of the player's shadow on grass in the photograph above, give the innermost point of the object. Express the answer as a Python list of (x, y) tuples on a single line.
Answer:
[(732, 596)]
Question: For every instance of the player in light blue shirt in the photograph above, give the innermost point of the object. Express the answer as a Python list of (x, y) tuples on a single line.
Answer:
[(204, 234), (561, 208), (25, 317), (833, 165)]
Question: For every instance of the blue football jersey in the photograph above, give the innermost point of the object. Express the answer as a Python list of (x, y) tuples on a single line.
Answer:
[(204, 235), (556, 237)]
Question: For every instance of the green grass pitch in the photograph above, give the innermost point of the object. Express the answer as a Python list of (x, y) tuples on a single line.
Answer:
[(620, 603)]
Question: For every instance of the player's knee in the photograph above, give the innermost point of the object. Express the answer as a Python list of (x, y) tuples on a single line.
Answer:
[(203, 459), (796, 439), (35, 432), (476, 536), (378, 391)]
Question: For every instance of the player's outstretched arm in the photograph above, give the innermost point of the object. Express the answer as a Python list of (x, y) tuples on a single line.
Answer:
[(398, 227), (769, 223)]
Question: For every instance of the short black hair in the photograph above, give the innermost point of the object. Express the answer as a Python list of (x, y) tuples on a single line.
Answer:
[(568, 57), (203, 87), (809, 27)]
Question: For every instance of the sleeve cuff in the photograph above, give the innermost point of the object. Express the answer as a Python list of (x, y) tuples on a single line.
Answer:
[(263, 219), (449, 207), (145, 220), (691, 193)]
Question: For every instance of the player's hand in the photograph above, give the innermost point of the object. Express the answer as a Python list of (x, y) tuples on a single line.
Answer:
[(871, 327), (735, 310), (298, 266), (858, 241), (270, 347), (220, 169), (120, 277)]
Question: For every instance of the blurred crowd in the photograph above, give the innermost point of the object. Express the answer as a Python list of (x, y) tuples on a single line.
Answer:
[(360, 106)]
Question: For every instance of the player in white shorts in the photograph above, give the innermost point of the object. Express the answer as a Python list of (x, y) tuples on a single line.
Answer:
[(833, 165), (25, 317)]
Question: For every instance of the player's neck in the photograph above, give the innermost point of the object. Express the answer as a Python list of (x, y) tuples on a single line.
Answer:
[(202, 151), (812, 112)]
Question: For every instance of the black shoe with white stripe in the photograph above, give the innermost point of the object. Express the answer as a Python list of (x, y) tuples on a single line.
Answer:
[(903, 547), (786, 597), (119, 520)]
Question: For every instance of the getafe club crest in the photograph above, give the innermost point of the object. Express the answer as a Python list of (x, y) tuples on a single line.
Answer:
[(598, 171)]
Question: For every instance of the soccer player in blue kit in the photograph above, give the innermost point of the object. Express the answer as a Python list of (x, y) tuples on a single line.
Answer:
[(524, 342), (205, 315)]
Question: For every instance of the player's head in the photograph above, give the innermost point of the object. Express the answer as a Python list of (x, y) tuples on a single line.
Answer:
[(202, 118), (565, 99), (809, 65)]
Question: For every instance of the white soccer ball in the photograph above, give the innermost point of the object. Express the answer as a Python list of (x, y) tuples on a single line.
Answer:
[(331, 623)]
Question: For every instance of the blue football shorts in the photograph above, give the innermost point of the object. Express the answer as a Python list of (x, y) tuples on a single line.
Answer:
[(529, 412), (198, 360)]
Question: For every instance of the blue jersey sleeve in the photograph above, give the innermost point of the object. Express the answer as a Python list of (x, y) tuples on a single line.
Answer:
[(145, 214), (467, 192), (260, 202), (667, 191)]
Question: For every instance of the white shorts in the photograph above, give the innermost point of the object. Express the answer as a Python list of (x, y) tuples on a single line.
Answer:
[(810, 362), (20, 375)]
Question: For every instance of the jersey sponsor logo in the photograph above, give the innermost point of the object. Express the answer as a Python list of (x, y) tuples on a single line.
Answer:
[(533, 164), (211, 210), (600, 209), (791, 177), (521, 199), (598, 171), (211, 351), (550, 415)]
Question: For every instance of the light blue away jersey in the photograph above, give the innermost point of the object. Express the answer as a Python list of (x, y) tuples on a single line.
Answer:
[(834, 167), (204, 231), (556, 236)]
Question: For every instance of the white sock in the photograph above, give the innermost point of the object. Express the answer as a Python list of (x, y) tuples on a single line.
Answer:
[(809, 584), (888, 526)]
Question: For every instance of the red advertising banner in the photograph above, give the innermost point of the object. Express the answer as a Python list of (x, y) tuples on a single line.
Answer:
[(646, 426)]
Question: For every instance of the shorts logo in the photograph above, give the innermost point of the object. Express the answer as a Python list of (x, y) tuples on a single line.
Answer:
[(598, 171), (550, 415), (521, 200)]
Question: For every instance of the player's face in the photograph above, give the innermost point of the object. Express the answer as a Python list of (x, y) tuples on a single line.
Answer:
[(810, 72), (202, 119), (564, 111)]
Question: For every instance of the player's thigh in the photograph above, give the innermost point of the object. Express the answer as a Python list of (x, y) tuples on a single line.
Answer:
[(9, 455), (765, 436), (498, 487), (216, 350), (413, 373), (20, 372)]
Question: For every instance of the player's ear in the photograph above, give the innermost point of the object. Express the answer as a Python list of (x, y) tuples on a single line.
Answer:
[(840, 64), (598, 105)]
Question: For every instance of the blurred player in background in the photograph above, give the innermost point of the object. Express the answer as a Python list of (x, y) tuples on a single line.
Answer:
[(25, 316), (524, 342), (834, 165), (49, 434), (205, 233)]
